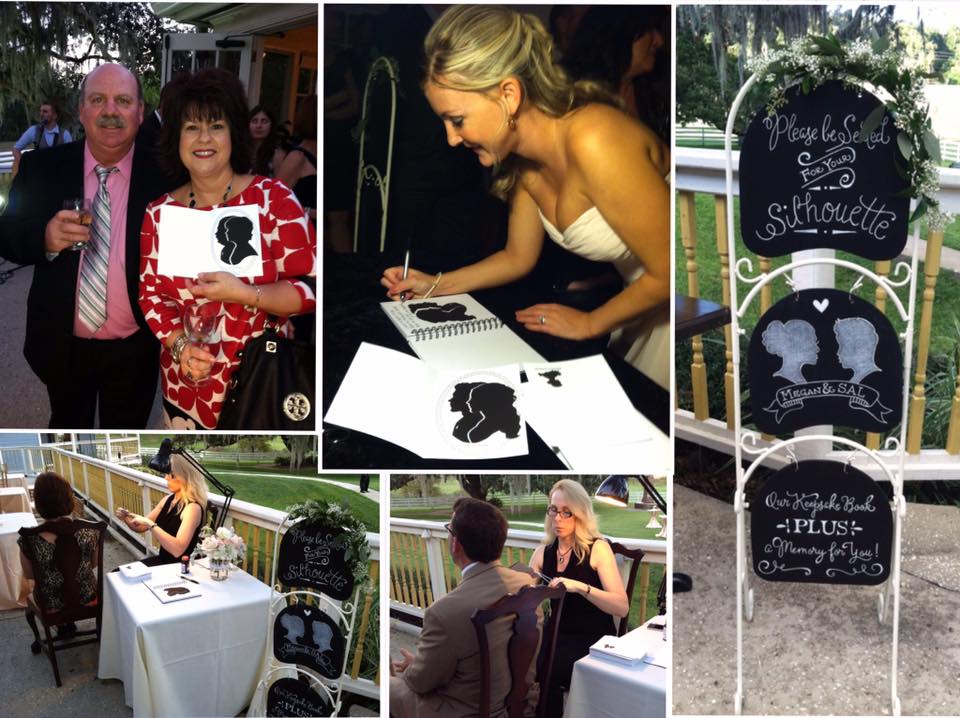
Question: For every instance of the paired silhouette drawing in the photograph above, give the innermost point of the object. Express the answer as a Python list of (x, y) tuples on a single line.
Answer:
[(487, 407), (235, 233), (795, 342)]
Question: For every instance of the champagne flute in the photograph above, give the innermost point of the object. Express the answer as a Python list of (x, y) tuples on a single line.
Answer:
[(83, 208), (200, 324)]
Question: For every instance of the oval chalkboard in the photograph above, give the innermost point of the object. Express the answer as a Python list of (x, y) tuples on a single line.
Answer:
[(308, 558), (822, 356), (821, 522), (806, 181), (307, 636), (290, 697)]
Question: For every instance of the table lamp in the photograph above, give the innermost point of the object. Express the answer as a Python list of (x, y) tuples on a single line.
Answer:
[(161, 463)]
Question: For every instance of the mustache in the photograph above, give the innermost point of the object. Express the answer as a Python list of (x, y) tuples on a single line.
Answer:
[(112, 122)]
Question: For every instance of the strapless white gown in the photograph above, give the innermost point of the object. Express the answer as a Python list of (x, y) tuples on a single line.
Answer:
[(644, 342)]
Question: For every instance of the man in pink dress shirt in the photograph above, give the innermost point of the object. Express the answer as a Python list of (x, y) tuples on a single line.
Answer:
[(109, 368)]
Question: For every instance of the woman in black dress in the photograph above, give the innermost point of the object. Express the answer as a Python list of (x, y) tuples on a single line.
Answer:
[(176, 520), (575, 555)]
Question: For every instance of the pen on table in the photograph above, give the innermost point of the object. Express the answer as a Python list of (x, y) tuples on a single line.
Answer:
[(190, 580), (406, 271)]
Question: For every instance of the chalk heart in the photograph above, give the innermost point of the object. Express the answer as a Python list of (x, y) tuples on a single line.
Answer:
[(821, 305)]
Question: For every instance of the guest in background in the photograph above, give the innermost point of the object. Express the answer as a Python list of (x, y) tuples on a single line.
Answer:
[(46, 133), (175, 522), (267, 152), (575, 555), (206, 141), (299, 167), (54, 501), (627, 48)]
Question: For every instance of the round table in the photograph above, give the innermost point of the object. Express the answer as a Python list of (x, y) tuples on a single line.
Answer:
[(11, 573)]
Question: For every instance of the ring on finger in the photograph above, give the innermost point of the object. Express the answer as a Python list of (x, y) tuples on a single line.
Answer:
[(543, 319)]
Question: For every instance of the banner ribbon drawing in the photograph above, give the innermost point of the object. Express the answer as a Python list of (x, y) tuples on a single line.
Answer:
[(861, 398)]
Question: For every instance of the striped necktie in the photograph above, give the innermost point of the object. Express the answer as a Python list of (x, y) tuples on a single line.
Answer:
[(92, 284)]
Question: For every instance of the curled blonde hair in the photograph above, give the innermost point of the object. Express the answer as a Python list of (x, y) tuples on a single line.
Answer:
[(585, 530), (472, 48), (194, 485)]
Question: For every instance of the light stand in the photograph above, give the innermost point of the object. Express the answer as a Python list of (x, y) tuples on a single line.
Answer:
[(161, 464)]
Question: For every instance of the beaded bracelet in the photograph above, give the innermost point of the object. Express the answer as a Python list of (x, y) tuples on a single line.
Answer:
[(256, 302), (435, 285)]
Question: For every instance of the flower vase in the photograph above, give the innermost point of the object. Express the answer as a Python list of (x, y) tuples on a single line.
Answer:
[(219, 569)]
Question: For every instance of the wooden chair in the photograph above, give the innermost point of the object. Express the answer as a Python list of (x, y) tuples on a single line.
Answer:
[(636, 555), (521, 647), (68, 605)]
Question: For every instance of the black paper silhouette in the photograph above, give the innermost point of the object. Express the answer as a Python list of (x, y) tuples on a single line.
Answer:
[(290, 697), (307, 636), (235, 233), (310, 558), (822, 356), (806, 182), (821, 522), (177, 590), (552, 377), (441, 313), (487, 407)]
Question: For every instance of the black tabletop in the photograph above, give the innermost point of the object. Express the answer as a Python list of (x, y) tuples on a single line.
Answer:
[(352, 314)]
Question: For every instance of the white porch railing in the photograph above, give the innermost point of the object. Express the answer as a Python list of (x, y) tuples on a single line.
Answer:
[(701, 171), (421, 571)]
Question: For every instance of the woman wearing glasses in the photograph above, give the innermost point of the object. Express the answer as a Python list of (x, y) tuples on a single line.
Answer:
[(574, 554)]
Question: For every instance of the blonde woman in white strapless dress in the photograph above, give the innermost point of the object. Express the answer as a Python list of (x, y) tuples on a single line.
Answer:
[(586, 172)]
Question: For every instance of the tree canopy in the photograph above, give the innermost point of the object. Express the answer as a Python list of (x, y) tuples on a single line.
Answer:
[(46, 47), (716, 42)]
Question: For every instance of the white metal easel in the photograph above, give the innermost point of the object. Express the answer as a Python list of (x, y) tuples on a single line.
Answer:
[(745, 442)]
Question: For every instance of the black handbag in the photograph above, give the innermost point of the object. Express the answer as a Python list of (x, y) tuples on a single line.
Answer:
[(274, 388)]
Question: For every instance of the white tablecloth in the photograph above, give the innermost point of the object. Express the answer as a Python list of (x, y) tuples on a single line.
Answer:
[(15, 500), (15, 480), (196, 657), (602, 688), (11, 575)]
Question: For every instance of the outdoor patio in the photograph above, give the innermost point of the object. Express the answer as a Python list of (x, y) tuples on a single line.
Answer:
[(814, 648)]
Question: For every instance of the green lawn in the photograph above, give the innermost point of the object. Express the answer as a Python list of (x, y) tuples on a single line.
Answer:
[(279, 493), (944, 337)]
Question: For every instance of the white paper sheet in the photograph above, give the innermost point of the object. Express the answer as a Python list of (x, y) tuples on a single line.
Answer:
[(226, 239), (579, 406), (436, 414)]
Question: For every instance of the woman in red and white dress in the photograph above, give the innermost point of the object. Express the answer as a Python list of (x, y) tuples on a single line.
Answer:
[(205, 145)]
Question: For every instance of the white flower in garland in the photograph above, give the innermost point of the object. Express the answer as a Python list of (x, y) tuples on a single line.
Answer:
[(811, 61)]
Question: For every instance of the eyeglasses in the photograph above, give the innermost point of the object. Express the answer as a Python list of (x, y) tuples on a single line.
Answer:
[(553, 511), (450, 530)]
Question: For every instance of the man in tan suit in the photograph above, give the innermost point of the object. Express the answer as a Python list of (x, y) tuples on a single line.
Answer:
[(443, 679)]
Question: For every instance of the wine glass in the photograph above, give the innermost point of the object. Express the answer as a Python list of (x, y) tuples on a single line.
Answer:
[(200, 324), (83, 207)]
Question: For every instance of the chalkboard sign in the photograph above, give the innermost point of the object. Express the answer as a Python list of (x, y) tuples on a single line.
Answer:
[(290, 697), (821, 522), (308, 558), (822, 356), (807, 181), (307, 636)]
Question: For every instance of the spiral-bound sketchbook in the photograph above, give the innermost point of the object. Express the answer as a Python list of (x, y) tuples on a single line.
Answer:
[(457, 332), (173, 590)]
